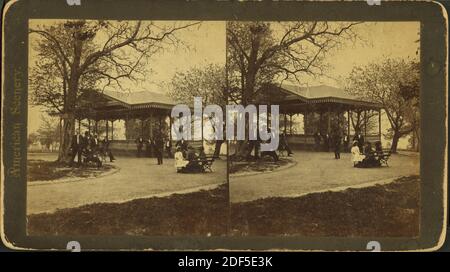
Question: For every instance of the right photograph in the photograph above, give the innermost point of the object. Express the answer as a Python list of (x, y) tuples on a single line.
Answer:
[(346, 163)]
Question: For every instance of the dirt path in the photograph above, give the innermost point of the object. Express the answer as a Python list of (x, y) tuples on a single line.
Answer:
[(317, 171), (137, 178)]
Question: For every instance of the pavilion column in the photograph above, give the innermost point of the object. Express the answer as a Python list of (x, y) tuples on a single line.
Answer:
[(96, 126), (348, 124), (365, 124), (305, 122), (112, 129), (107, 129), (328, 120), (142, 127), (202, 125), (320, 121), (170, 128), (127, 133), (79, 125), (150, 126), (89, 125), (290, 124), (285, 123), (379, 124)]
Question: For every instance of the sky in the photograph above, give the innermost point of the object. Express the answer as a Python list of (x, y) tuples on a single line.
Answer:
[(377, 40), (205, 43)]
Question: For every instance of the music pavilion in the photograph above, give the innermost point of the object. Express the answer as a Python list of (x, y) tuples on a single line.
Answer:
[(140, 114)]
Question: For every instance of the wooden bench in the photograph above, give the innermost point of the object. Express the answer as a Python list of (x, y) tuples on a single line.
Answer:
[(207, 163), (201, 164), (384, 157)]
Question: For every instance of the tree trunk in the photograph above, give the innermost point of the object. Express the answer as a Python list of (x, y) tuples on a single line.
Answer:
[(68, 132), (394, 145)]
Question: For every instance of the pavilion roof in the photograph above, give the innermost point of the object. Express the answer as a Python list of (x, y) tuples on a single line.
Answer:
[(321, 94), (141, 99), (315, 92)]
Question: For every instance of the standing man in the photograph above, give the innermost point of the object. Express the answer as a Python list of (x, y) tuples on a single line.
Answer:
[(337, 146), (317, 141), (360, 139), (345, 142), (169, 148), (326, 142), (159, 147), (106, 149), (285, 145), (148, 147), (139, 144), (95, 143), (77, 146)]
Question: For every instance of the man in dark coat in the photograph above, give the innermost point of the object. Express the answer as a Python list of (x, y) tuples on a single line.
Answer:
[(345, 140), (159, 148), (139, 144), (317, 141), (94, 143), (360, 139), (106, 150), (77, 147), (168, 147), (337, 145), (284, 145), (326, 142)]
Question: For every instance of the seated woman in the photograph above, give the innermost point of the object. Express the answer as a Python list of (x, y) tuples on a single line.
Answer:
[(357, 157), (193, 160), (371, 159), (180, 162)]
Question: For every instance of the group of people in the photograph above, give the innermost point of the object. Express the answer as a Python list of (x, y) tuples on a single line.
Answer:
[(186, 159), (365, 155), (88, 146), (337, 142)]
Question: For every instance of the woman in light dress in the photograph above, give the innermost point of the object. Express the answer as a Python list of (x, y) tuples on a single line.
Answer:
[(180, 161), (357, 157)]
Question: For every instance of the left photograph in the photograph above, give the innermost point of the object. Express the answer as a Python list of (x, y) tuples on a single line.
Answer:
[(102, 156)]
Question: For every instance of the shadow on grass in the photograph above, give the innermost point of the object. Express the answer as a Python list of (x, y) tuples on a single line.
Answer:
[(39, 170), (199, 213), (390, 210), (257, 166)]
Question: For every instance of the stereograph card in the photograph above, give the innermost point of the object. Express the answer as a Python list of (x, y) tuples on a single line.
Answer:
[(194, 125)]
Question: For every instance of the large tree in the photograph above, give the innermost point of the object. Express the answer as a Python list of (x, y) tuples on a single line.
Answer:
[(73, 56), (263, 53), (207, 82), (394, 84)]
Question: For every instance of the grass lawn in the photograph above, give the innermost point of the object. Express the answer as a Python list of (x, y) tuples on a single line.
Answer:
[(199, 213), (39, 170), (390, 210)]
